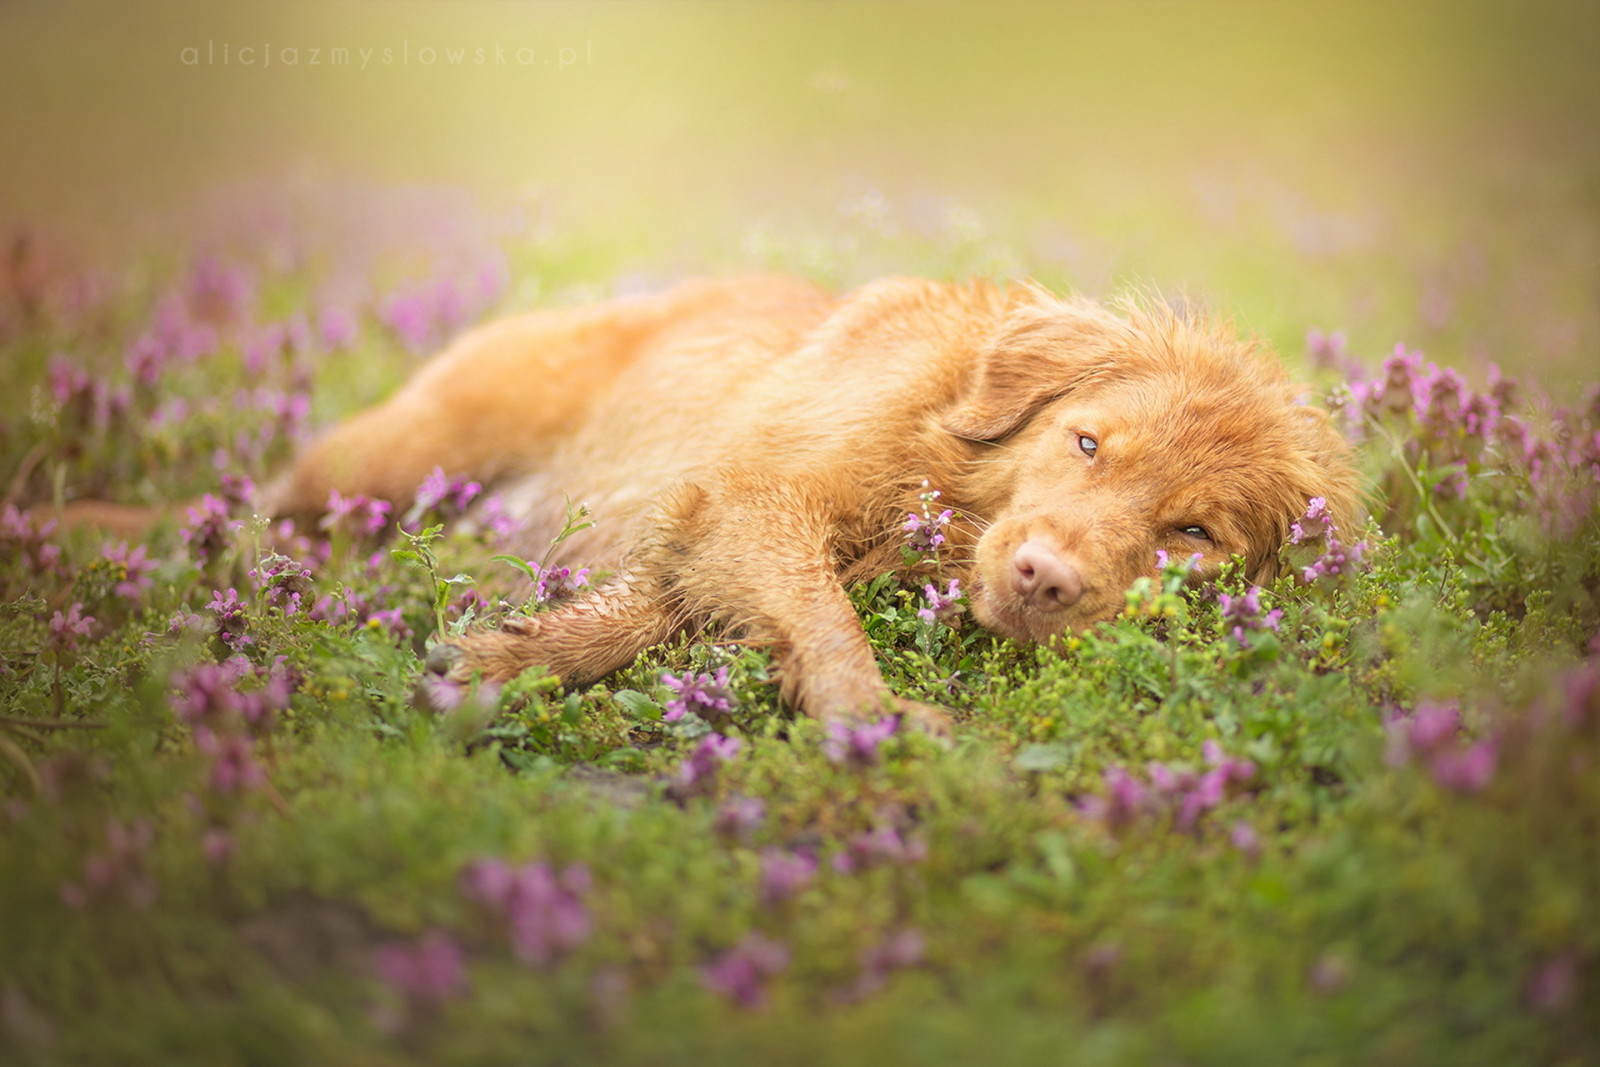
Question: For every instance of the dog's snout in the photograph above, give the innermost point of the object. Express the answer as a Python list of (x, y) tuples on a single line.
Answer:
[(1044, 578)]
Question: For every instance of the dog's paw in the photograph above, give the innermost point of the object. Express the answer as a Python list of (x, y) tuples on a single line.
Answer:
[(928, 718)]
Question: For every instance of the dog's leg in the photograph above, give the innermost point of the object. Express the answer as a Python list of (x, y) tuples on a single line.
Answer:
[(761, 557), (603, 632)]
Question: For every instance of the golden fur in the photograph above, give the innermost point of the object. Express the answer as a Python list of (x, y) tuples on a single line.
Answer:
[(747, 446)]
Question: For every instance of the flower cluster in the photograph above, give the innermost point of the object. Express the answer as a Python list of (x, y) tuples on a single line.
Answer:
[(883, 844), (541, 910), (423, 314), (1337, 558), (741, 974), (426, 973), (697, 775), (1242, 615), (29, 543), (117, 872), (356, 515), (232, 624), (857, 746), (1180, 793), (939, 605), (132, 569), (1447, 432), (286, 583), (210, 529), (226, 718), (784, 873), (925, 532), (705, 695), (1432, 732), (66, 628), (896, 951), (441, 497)]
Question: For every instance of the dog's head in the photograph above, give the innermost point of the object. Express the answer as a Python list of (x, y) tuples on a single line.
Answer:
[(1111, 437)]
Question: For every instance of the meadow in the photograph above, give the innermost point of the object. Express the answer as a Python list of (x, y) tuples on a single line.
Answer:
[(1349, 817)]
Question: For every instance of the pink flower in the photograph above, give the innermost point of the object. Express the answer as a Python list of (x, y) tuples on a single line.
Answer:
[(857, 746), (706, 695), (741, 974)]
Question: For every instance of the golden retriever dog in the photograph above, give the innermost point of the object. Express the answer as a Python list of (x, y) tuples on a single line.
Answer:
[(748, 447)]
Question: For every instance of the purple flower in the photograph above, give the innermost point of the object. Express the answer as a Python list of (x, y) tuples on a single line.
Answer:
[(857, 746), (233, 764), (389, 620), (230, 617), (1316, 523), (218, 291), (286, 583), (132, 569), (883, 844), (707, 696), (117, 872), (210, 528), (940, 605), (338, 329), (358, 516), (925, 532), (1466, 770), (1336, 560), (738, 817), (1244, 838), (697, 774), (783, 874), (1242, 615), (442, 496), (28, 543), (426, 973), (1164, 562), (543, 911), (741, 974), (66, 629)]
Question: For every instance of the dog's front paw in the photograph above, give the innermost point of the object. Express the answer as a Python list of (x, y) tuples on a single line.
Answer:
[(928, 718), (491, 655)]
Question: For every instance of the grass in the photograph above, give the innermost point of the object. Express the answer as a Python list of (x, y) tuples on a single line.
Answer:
[(267, 863)]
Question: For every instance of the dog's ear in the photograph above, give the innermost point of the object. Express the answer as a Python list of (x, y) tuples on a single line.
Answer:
[(1041, 351)]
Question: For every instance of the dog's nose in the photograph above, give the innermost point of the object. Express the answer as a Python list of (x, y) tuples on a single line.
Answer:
[(1043, 578)]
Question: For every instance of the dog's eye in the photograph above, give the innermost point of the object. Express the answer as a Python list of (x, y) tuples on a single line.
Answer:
[(1088, 444), (1199, 533)]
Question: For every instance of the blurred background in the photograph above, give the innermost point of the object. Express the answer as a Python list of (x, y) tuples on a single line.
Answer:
[(1421, 172)]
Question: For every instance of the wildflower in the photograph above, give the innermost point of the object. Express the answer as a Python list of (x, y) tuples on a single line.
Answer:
[(1317, 522), (697, 774), (1466, 770), (286, 583), (426, 973), (338, 329), (925, 532), (556, 582), (218, 291), (119, 871), (543, 911), (210, 527), (28, 542), (1242, 615), (883, 844), (65, 629), (230, 618), (390, 620), (496, 518), (940, 605), (356, 515), (442, 495), (132, 569), (783, 874), (741, 974), (857, 746), (1244, 838), (706, 695), (738, 817), (233, 764), (217, 846), (1338, 559)]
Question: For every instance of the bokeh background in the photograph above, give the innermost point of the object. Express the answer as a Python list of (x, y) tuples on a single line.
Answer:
[(1420, 172)]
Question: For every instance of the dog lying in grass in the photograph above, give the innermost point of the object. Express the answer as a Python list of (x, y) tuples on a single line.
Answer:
[(751, 446)]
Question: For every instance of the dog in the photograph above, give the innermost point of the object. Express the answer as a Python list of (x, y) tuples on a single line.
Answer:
[(751, 446)]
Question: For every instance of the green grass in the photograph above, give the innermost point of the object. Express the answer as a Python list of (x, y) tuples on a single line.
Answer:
[(1337, 903)]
